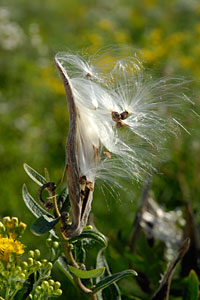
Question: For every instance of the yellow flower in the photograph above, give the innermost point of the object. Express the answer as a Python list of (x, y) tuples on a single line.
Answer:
[(106, 24), (9, 245)]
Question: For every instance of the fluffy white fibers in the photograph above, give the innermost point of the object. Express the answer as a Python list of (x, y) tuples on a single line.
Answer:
[(125, 115)]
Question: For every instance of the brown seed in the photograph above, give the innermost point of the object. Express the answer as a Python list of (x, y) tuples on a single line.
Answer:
[(82, 180), (89, 75), (124, 115), (116, 116), (107, 154), (119, 124)]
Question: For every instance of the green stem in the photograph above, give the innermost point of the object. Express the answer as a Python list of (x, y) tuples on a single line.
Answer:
[(71, 261), (68, 254), (7, 293), (14, 293)]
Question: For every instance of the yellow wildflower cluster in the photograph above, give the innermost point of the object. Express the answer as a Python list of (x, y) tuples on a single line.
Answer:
[(10, 230), (8, 246)]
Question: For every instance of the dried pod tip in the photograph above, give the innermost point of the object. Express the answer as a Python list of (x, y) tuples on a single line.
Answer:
[(90, 186)]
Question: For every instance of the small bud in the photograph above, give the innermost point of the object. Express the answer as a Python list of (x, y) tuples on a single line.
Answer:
[(31, 253), (6, 220), (21, 228), (51, 289), (38, 264), (18, 269), (58, 292), (8, 224), (55, 245), (57, 285), (45, 285), (30, 261), (24, 265), (22, 277), (51, 282), (2, 229), (49, 243), (15, 221), (38, 289), (37, 253), (49, 266), (88, 227)]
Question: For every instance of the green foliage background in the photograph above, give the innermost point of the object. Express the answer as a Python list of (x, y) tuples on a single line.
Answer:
[(33, 109)]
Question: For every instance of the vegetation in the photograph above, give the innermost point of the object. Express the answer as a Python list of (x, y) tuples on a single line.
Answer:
[(34, 119)]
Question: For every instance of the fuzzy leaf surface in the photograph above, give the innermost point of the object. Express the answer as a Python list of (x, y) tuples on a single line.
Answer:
[(32, 205), (34, 175), (43, 224)]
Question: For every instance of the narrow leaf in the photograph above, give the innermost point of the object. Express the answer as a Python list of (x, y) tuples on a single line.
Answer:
[(111, 279), (62, 265), (192, 287), (43, 224), (32, 205), (93, 235), (34, 175), (86, 274), (112, 292)]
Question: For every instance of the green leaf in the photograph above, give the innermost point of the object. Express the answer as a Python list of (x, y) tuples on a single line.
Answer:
[(34, 175), (79, 252), (111, 279), (86, 274), (32, 205), (111, 292), (192, 287), (62, 265), (43, 224), (93, 235)]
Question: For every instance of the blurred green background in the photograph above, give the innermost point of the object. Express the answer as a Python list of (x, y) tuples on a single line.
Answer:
[(33, 109)]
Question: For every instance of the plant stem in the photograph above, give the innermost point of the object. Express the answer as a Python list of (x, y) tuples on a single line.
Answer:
[(7, 293), (71, 261)]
